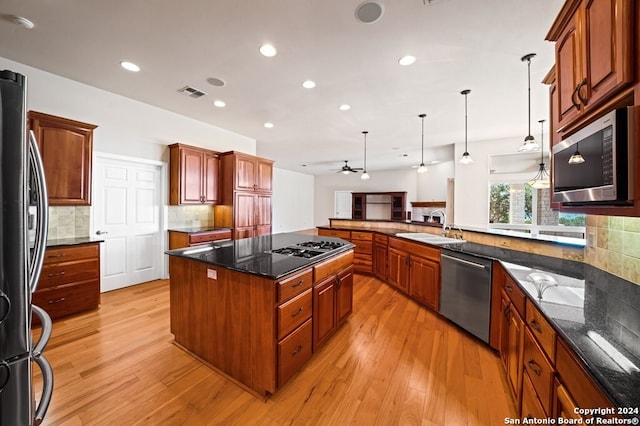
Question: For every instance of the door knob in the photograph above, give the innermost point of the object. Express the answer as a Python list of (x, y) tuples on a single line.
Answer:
[(101, 232)]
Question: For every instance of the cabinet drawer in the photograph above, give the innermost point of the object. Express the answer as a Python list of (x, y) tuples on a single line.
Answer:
[(207, 237), (69, 254), (293, 313), (364, 247), (531, 407), (381, 239), (332, 266), (294, 351), (345, 235), (69, 272), (296, 284), (66, 300), (363, 261), (365, 236), (515, 294), (579, 384), (539, 369), (541, 330), (417, 249)]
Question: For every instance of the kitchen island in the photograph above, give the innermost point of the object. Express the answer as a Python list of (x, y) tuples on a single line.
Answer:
[(256, 309)]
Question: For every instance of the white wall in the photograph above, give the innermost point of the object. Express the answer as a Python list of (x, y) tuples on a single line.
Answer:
[(432, 184), (472, 180), (293, 202), (125, 126)]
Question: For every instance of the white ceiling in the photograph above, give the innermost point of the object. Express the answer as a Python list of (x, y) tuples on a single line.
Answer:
[(459, 44)]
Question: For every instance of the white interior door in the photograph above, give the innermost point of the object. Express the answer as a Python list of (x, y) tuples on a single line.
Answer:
[(342, 205), (126, 214)]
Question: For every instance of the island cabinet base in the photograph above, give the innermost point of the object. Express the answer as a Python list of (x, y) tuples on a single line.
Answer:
[(227, 318), (256, 330)]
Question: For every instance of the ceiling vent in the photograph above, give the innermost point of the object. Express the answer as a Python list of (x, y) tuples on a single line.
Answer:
[(369, 12), (192, 92)]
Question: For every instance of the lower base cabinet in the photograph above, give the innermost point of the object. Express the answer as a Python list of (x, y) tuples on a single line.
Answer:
[(424, 279), (294, 351), (332, 304)]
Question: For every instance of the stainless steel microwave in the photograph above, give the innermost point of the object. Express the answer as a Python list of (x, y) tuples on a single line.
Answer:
[(595, 165)]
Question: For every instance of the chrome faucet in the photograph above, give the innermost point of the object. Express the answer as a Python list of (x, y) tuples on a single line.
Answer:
[(443, 215)]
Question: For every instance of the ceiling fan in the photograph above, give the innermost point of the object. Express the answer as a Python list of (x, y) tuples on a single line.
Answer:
[(346, 169)]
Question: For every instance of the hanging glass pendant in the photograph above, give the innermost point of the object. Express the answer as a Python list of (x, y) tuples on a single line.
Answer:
[(466, 157), (365, 175), (422, 168), (530, 144), (542, 179), (576, 158)]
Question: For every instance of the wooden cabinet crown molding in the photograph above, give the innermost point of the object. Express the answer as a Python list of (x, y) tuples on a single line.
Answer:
[(66, 147), (563, 18)]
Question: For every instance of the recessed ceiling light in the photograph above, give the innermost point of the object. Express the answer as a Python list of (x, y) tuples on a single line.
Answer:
[(268, 50), (129, 66), (216, 82), (344, 107), (219, 104), (23, 22), (407, 60), (268, 125), (308, 84)]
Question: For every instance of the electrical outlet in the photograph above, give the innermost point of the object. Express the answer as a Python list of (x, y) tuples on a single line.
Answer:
[(590, 240)]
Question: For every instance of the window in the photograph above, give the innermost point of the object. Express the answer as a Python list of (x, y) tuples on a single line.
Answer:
[(516, 206)]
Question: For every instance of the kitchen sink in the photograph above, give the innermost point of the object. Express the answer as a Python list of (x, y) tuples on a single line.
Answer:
[(429, 238)]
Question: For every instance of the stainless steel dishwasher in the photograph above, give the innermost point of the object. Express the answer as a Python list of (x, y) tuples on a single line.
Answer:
[(465, 295)]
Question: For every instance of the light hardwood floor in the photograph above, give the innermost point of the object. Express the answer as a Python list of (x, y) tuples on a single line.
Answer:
[(394, 362)]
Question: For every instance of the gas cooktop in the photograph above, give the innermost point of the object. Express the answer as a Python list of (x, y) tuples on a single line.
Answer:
[(308, 249)]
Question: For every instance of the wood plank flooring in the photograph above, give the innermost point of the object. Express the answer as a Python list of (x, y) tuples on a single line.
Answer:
[(393, 362)]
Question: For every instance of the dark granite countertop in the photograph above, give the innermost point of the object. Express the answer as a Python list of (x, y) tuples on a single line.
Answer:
[(73, 241), (198, 229), (251, 255)]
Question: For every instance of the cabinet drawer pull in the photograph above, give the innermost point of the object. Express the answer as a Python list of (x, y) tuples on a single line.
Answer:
[(296, 313), (508, 288), (298, 284), (534, 367), (583, 100), (298, 349), (51, 302), (534, 324), (57, 274), (52, 256)]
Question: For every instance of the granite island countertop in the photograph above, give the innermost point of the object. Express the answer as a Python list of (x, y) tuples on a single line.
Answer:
[(253, 255)]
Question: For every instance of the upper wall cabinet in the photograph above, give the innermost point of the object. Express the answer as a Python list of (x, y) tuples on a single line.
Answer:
[(244, 172), (193, 175), (66, 147), (594, 42)]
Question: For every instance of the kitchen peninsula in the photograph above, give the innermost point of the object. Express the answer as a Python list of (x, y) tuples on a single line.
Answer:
[(256, 309)]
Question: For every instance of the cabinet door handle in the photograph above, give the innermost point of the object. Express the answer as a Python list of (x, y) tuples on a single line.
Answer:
[(298, 284), (507, 311), (576, 105), (534, 367), (582, 83), (296, 313), (534, 324), (508, 288), (51, 302), (57, 274), (296, 350)]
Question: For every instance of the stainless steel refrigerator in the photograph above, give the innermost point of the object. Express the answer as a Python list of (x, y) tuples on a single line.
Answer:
[(23, 234)]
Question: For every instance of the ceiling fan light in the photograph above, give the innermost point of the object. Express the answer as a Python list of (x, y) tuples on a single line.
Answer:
[(345, 172)]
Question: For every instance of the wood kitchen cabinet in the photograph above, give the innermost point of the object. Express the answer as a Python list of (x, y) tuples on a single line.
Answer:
[(179, 239), (424, 281), (245, 194), (380, 256), (511, 346), (66, 147), (594, 62), (193, 175), (363, 259), (332, 296), (399, 269), (358, 206), (70, 280)]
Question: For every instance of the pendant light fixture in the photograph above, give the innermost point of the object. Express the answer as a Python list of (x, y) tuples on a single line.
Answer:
[(466, 157), (530, 144), (576, 158), (541, 180), (365, 175), (422, 168)]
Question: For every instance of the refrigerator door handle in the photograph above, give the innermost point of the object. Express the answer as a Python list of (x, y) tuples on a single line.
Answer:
[(35, 160), (4, 298), (7, 375), (45, 335), (47, 388)]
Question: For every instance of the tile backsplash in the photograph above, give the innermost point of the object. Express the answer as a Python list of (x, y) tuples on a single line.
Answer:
[(190, 216), (68, 222), (613, 245)]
